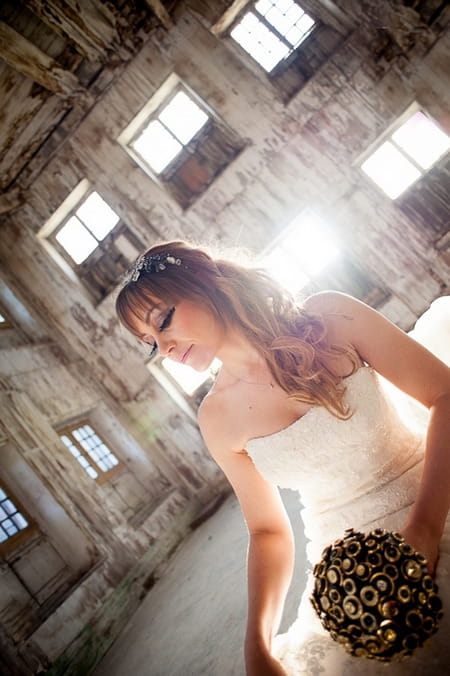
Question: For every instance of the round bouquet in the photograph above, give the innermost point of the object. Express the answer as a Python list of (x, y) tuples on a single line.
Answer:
[(373, 593)]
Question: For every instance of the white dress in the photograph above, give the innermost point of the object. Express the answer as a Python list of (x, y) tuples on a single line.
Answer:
[(361, 473)]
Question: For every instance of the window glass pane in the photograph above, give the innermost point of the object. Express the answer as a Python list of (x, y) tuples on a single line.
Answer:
[(187, 378), (9, 527), (97, 450), (11, 519), (310, 243), (285, 269), (288, 18), (422, 140), (8, 506), (306, 248), (157, 146), (97, 215), (20, 521), (259, 42), (183, 117), (92, 473), (76, 240), (390, 170)]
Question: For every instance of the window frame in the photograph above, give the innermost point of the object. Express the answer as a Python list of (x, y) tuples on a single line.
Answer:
[(102, 476), (386, 135), (73, 213), (185, 195), (283, 63), (6, 323), (189, 403), (23, 535), (80, 272), (186, 148)]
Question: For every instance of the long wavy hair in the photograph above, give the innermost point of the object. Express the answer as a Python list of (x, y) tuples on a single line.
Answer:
[(292, 342)]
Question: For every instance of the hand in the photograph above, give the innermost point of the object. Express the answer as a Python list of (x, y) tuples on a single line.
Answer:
[(261, 663), (425, 543)]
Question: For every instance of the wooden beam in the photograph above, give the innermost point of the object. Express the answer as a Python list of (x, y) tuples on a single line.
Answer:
[(11, 200), (29, 60), (160, 12), (228, 17), (90, 27)]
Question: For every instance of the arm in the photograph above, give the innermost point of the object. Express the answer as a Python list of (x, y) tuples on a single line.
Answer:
[(271, 546), (416, 371)]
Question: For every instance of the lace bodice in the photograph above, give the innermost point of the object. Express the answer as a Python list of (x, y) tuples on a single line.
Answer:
[(361, 473), (346, 471)]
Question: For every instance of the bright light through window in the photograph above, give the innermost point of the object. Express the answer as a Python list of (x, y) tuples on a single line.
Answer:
[(390, 170), (2, 319), (413, 148), (90, 224), (422, 140), (157, 146), (272, 30), (183, 117), (11, 519), (164, 137), (187, 378), (89, 450), (97, 215), (76, 240), (301, 253)]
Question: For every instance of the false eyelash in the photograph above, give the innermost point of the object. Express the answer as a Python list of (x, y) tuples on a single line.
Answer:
[(153, 351), (167, 319)]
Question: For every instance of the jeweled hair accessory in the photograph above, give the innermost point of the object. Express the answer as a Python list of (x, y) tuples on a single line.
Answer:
[(150, 263), (374, 594)]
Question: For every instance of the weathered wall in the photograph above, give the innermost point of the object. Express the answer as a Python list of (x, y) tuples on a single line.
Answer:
[(72, 586)]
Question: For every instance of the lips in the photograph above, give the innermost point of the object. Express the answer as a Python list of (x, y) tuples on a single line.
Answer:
[(186, 354)]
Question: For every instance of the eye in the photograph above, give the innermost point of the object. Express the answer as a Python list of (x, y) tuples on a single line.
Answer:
[(153, 350), (167, 319)]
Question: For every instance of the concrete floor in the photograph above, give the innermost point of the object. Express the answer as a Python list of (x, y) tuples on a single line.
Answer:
[(192, 622)]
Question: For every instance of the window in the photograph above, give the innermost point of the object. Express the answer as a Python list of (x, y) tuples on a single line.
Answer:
[(302, 251), (89, 225), (166, 135), (406, 152), (185, 385), (271, 30), (4, 322), (97, 460), (15, 524), (88, 238), (180, 142), (283, 41)]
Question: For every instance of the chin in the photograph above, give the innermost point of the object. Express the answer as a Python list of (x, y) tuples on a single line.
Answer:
[(201, 364)]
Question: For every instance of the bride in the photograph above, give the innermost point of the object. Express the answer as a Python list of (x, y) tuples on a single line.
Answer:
[(304, 400)]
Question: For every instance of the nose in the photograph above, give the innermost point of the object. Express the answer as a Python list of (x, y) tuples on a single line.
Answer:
[(166, 348)]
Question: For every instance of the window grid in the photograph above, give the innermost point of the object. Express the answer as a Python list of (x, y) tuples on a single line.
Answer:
[(15, 523), (180, 140), (90, 451), (4, 322), (283, 37), (277, 42), (86, 227), (413, 168)]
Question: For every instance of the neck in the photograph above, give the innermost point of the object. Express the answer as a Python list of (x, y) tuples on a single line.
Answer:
[(242, 362)]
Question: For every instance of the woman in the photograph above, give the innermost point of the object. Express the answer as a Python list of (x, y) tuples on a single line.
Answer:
[(298, 402)]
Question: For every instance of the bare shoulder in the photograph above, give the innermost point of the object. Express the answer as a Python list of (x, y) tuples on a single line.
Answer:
[(331, 302), (215, 422)]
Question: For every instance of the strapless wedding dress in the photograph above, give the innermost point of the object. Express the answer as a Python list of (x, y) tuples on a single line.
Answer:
[(361, 473)]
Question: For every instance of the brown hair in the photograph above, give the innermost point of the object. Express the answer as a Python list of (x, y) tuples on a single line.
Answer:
[(292, 341)]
